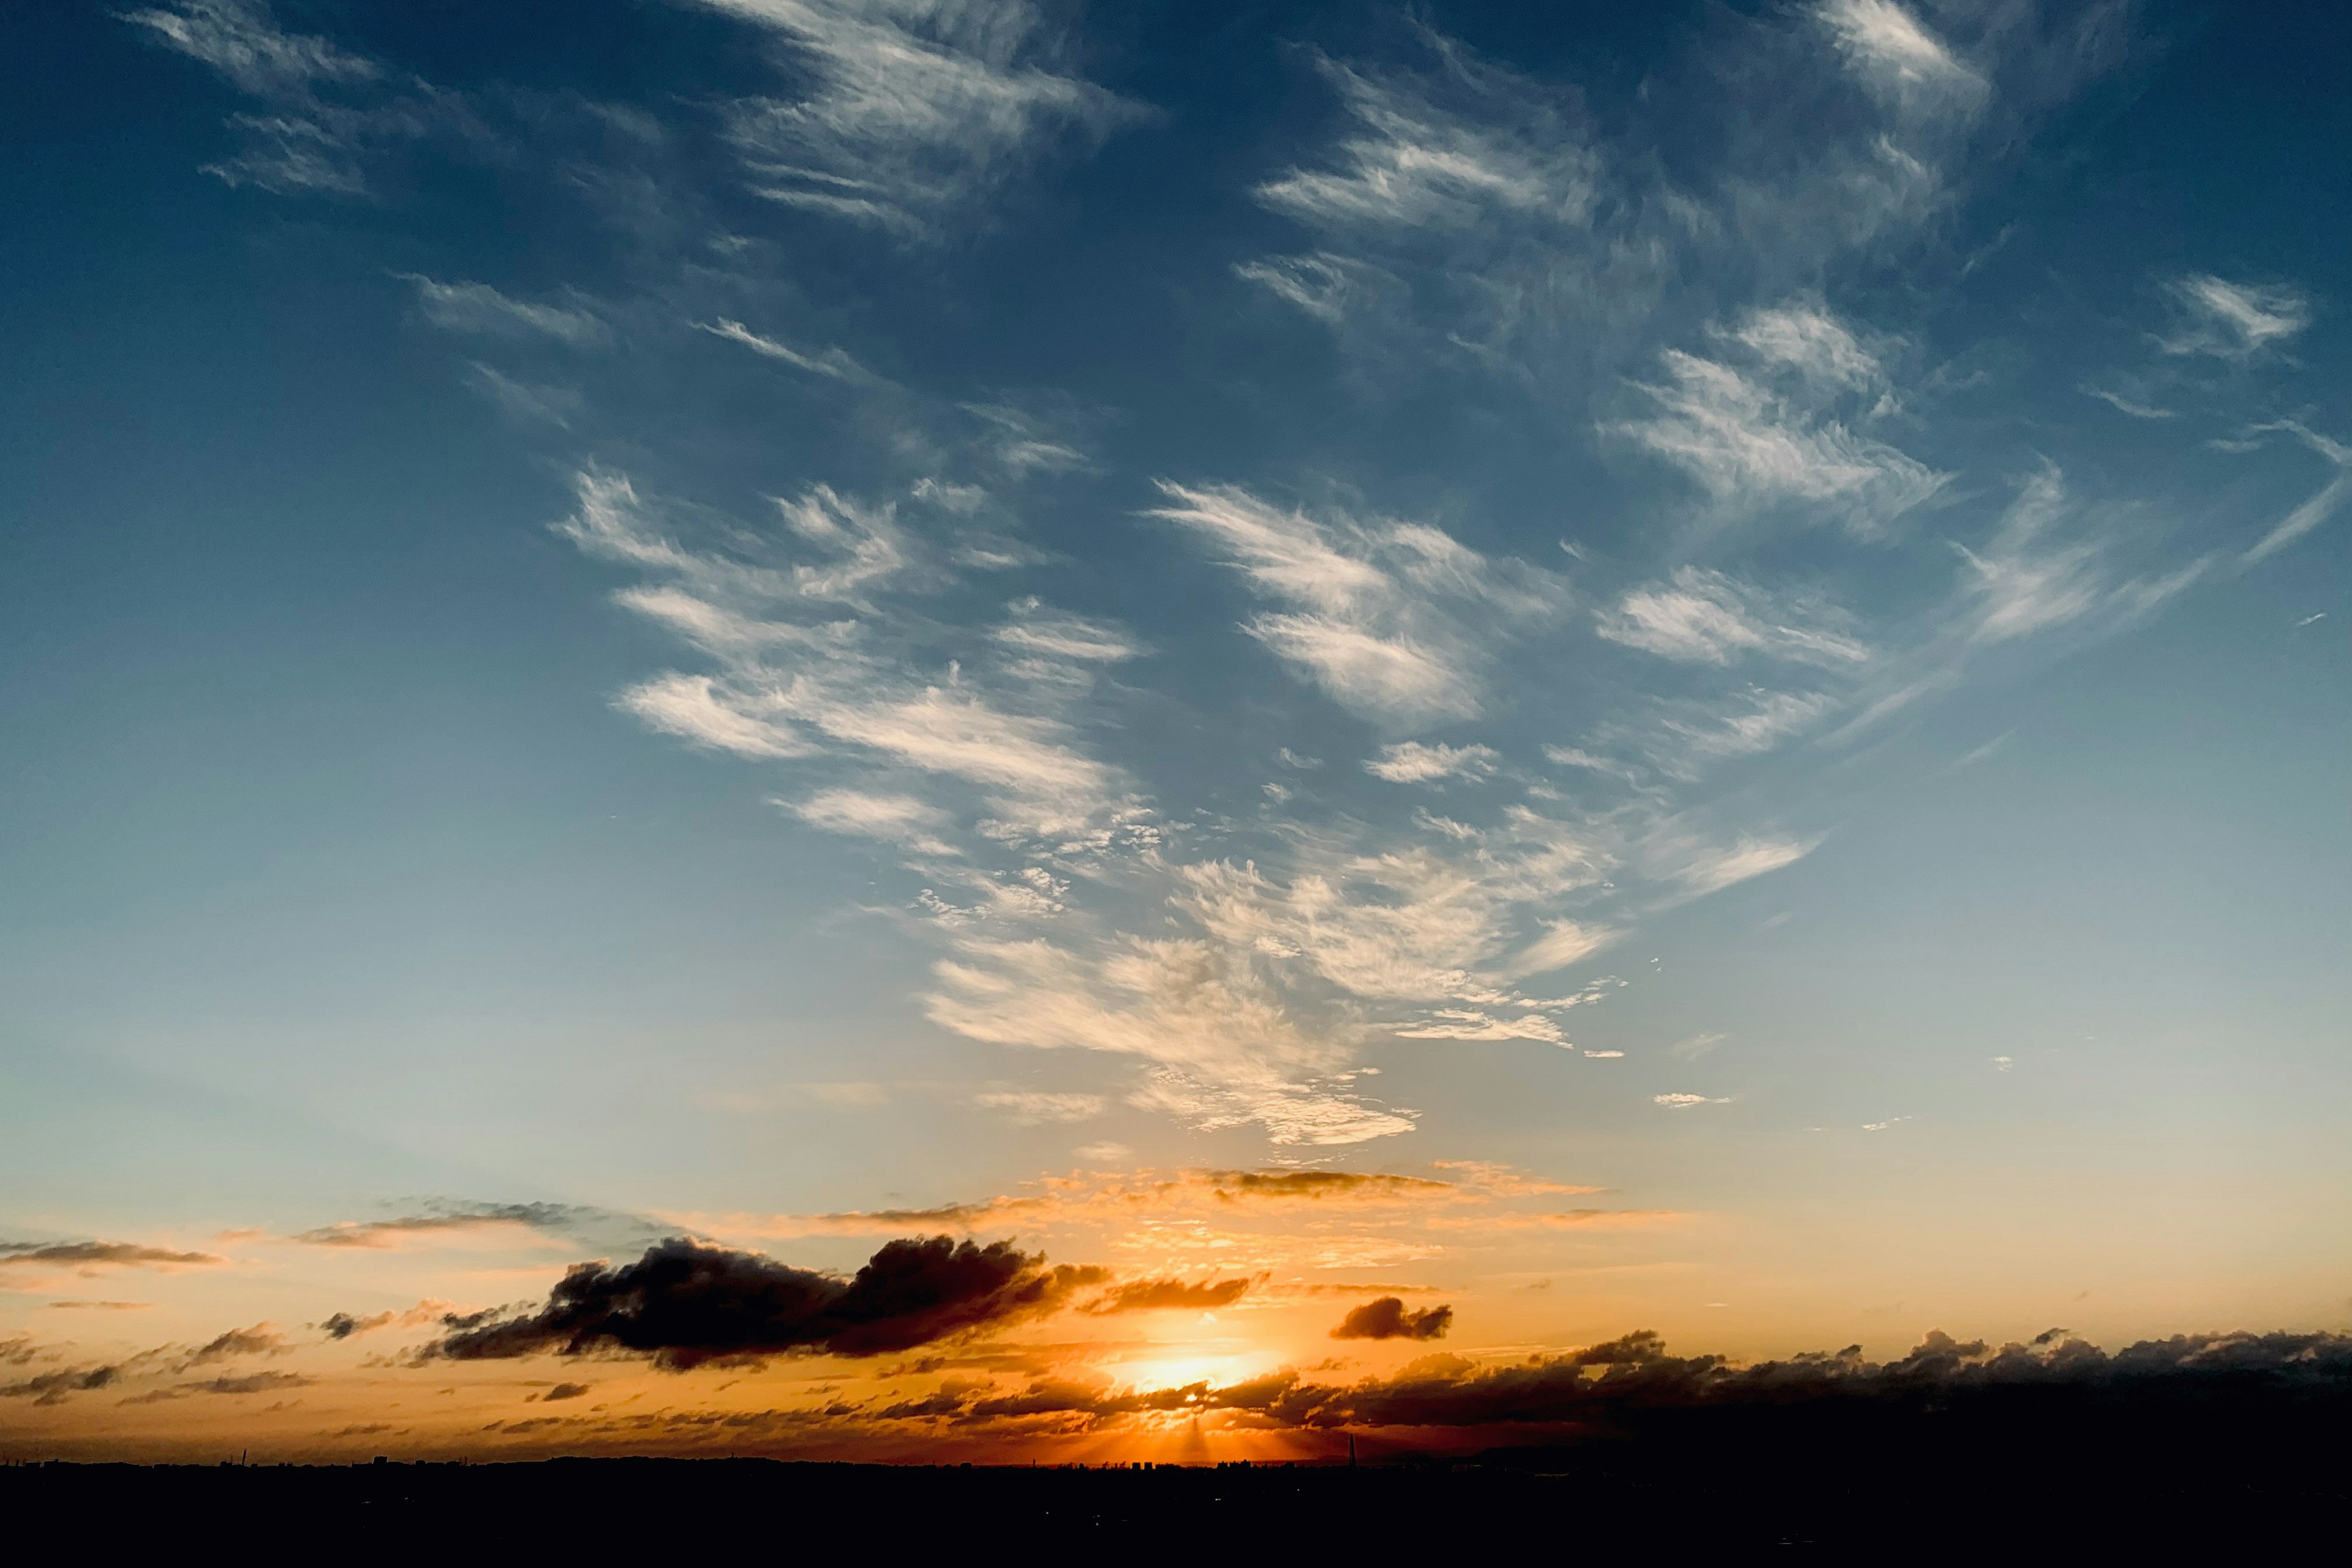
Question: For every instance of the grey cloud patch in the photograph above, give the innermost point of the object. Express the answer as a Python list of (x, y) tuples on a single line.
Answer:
[(449, 1216), (1170, 1295), (348, 1325), (49, 1388), (100, 1254), (1388, 1318), (261, 1339), (251, 1383)]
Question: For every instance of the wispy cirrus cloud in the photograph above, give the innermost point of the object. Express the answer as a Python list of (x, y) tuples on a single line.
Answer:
[(466, 307), (813, 658), (833, 362), (2319, 506), (1900, 59), (322, 110), (2233, 321), (1410, 761), (1705, 616), (1774, 431), (913, 111), (241, 40), (1395, 621), (1031, 1108), (1411, 163)]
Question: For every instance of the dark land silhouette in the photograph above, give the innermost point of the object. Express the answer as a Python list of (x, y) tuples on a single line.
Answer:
[(2223, 1469)]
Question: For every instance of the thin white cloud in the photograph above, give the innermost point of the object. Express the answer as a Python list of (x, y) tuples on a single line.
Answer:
[(320, 108), (806, 662), (1395, 620), (1703, 616), (2023, 583), (1746, 445), (1416, 165), (1329, 287), (2321, 505), (1742, 726), (1223, 1049), (831, 362), (1711, 868), (1695, 1047), (1452, 921), (1032, 1108), (1687, 1101), (1562, 944), (2123, 405), (1803, 336), (526, 402), (1058, 634), (240, 39), (896, 818), (696, 709), (1410, 761), (1024, 441), (1899, 59), (915, 108), (477, 308), (2235, 321), (1471, 1024)]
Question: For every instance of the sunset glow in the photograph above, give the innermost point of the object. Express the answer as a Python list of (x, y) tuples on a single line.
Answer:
[(1023, 733)]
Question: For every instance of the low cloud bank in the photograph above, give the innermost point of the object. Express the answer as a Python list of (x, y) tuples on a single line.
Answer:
[(685, 1302), (1627, 1377)]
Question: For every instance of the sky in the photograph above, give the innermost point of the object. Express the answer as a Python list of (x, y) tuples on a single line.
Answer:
[(1368, 696)]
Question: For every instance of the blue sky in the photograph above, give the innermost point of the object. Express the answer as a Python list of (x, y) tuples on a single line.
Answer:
[(781, 606)]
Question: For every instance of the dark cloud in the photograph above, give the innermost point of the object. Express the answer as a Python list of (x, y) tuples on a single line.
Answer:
[(85, 1252), (262, 1339), (685, 1302), (1387, 1318), (1156, 1295), (566, 1391), (52, 1387)]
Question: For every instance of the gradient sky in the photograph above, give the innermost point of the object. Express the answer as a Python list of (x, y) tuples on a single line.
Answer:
[(1712, 638)]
